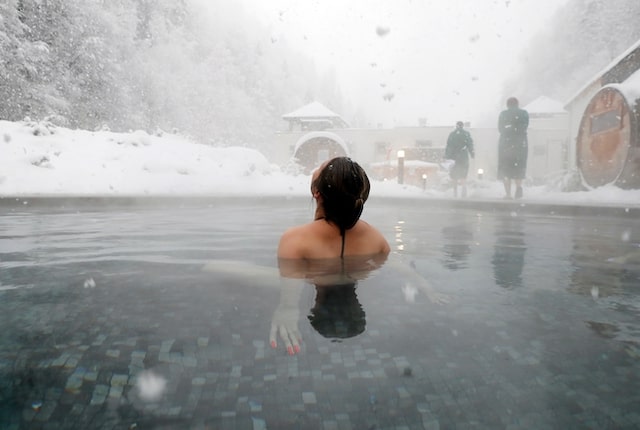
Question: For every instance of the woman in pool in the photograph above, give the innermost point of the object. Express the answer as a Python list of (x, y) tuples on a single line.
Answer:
[(333, 252), (340, 188)]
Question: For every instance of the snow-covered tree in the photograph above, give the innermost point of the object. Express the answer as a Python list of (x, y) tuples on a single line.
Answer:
[(150, 64)]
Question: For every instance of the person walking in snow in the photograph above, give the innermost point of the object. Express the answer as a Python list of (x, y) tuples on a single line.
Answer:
[(512, 147), (459, 148)]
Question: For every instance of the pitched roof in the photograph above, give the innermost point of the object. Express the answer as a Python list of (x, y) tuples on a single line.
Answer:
[(625, 62), (312, 110), (630, 88), (544, 104)]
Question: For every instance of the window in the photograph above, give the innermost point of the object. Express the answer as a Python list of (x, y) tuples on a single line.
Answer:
[(424, 143), (605, 121)]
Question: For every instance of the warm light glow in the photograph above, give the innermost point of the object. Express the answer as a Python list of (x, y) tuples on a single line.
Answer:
[(401, 153), (480, 171), (424, 176)]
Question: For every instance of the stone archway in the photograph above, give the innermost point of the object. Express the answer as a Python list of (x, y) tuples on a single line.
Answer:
[(314, 148)]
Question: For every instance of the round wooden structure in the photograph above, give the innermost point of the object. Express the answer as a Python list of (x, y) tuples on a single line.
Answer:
[(608, 148), (314, 148)]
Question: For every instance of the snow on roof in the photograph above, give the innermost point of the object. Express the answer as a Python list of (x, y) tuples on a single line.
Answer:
[(620, 57), (544, 104), (630, 88), (312, 110)]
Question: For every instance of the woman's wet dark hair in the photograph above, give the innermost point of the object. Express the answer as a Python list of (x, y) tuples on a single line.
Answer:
[(344, 187)]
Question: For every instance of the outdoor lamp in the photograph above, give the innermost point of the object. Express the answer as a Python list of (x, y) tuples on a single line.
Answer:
[(401, 166), (480, 173), (424, 181)]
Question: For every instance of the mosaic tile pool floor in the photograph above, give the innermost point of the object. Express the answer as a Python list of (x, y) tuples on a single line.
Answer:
[(555, 347)]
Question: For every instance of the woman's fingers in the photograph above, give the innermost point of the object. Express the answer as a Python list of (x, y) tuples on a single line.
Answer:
[(272, 336), (295, 340), (291, 338), (284, 335)]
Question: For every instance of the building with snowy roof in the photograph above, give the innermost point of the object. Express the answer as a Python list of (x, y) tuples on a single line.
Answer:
[(604, 123), (316, 133), (597, 131), (314, 117)]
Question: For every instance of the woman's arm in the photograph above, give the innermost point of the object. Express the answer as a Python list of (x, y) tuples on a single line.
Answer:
[(284, 322), (245, 271)]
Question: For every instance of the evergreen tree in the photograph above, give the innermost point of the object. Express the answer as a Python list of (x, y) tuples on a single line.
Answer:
[(150, 64)]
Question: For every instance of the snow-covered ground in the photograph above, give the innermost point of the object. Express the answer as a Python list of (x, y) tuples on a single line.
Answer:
[(39, 159)]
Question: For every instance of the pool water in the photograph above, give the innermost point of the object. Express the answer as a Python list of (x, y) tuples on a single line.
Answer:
[(109, 322)]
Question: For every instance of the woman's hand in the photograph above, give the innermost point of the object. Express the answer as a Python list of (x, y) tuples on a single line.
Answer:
[(285, 324)]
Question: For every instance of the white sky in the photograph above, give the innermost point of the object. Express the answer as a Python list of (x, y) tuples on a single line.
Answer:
[(441, 59), (67, 162)]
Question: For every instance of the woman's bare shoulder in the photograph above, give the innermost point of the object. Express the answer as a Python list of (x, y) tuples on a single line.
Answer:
[(374, 237), (293, 241), (298, 230)]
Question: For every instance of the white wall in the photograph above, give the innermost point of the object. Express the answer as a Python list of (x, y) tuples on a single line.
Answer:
[(548, 140)]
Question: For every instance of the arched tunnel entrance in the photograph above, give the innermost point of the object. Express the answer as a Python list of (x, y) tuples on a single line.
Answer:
[(314, 148)]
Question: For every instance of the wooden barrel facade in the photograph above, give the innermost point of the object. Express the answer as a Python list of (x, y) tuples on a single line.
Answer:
[(608, 150)]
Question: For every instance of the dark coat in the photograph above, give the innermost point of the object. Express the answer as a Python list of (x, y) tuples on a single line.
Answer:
[(513, 145), (459, 147), (512, 125)]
